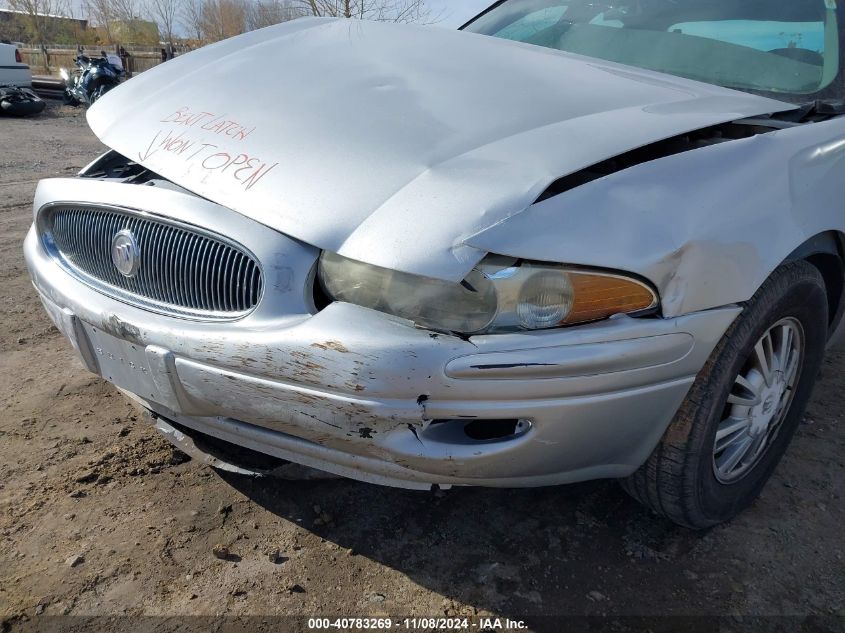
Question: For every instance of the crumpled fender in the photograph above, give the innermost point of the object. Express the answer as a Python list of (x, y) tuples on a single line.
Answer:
[(706, 227)]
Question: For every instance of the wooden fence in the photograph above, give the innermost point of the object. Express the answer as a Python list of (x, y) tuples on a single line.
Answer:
[(58, 57)]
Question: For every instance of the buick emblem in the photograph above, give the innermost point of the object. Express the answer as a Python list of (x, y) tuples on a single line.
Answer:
[(125, 254)]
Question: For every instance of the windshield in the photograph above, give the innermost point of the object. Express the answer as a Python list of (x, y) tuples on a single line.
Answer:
[(771, 46)]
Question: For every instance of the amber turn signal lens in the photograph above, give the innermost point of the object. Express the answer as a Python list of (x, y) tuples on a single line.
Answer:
[(597, 296)]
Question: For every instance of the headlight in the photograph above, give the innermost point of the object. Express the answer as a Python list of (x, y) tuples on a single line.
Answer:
[(499, 295), (64, 73)]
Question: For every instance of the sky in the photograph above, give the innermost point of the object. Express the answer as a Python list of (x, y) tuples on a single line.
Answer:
[(457, 12)]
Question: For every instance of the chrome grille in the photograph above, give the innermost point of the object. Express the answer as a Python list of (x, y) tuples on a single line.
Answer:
[(183, 270)]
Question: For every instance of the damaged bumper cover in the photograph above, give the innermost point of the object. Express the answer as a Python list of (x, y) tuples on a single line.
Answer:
[(361, 394)]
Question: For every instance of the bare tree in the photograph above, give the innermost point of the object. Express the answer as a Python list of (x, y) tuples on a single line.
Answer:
[(191, 18), (39, 18), (214, 20), (117, 18), (380, 10), (127, 13), (263, 13), (165, 13), (103, 14), (221, 19)]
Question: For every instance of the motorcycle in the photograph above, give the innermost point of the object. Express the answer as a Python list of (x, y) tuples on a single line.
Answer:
[(17, 101), (93, 78)]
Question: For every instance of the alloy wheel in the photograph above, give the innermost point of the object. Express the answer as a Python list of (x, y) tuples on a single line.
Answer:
[(759, 401)]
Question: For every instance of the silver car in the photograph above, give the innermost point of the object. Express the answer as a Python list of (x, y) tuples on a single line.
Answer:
[(606, 242)]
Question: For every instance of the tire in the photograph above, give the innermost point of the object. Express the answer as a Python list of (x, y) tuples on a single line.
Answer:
[(681, 480), (103, 89), (21, 107)]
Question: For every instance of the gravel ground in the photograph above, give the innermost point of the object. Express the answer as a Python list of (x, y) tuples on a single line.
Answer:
[(99, 516)]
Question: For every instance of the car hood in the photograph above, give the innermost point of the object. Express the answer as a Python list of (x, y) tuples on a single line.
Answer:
[(392, 144)]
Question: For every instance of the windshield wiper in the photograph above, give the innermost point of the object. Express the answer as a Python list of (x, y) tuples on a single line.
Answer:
[(819, 109)]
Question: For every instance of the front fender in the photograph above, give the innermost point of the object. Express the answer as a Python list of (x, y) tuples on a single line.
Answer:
[(706, 227)]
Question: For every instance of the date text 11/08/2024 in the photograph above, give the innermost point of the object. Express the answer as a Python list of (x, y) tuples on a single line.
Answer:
[(414, 624)]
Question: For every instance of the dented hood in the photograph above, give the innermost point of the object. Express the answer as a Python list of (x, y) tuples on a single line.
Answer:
[(392, 144)]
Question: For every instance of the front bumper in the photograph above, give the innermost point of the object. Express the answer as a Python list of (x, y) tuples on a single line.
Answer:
[(19, 76), (361, 394)]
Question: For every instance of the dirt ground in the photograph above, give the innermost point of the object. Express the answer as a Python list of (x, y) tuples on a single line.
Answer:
[(99, 516)]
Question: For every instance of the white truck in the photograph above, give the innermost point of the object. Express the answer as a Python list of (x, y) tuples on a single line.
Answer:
[(13, 72)]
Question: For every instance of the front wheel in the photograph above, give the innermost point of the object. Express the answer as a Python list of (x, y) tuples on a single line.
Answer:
[(99, 92), (744, 406)]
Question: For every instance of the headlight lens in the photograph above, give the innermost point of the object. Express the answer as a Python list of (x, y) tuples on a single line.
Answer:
[(469, 306), (501, 294)]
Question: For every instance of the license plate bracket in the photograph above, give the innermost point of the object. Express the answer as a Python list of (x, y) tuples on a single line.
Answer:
[(122, 362)]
